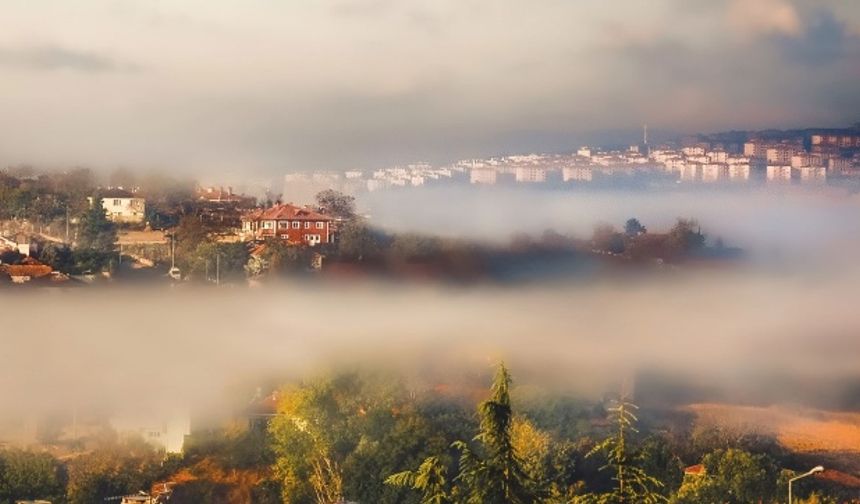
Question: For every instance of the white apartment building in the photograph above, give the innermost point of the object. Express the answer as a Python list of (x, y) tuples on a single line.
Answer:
[(483, 175), (576, 174), (779, 173)]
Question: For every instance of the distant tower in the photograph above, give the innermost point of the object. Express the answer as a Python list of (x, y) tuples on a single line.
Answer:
[(645, 149)]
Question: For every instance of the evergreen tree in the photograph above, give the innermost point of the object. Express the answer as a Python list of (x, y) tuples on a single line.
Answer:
[(431, 479), (632, 484), (96, 240), (97, 233), (493, 472)]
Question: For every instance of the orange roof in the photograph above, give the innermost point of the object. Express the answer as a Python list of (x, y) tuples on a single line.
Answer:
[(285, 212), (695, 470), (26, 270)]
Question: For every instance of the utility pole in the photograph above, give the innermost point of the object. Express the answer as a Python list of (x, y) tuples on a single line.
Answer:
[(217, 269)]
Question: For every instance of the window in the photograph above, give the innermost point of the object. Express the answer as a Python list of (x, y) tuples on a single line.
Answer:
[(117, 202), (307, 225), (283, 224), (267, 224), (296, 224), (319, 225), (285, 237)]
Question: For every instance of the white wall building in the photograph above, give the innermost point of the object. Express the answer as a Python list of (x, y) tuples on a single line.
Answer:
[(123, 206)]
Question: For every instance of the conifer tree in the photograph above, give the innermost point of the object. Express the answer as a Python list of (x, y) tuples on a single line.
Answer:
[(633, 484)]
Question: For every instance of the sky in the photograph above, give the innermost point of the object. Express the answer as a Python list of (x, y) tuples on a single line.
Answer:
[(263, 87)]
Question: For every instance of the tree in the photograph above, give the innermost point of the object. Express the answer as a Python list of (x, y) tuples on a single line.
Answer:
[(492, 471), (189, 236), (356, 241), (607, 239), (58, 256), (732, 476), (29, 475), (228, 260), (431, 479), (97, 232), (657, 459), (96, 239), (113, 468), (632, 484), (336, 203), (686, 237), (326, 426), (281, 258), (415, 247), (634, 228)]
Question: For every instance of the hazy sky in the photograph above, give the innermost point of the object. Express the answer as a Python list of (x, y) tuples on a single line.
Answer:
[(264, 86)]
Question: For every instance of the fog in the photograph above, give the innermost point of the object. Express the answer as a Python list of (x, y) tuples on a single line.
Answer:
[(159, 349), (260, 88), (805, 224), (746, 332)]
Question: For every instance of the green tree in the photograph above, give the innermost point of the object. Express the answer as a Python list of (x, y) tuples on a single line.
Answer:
[(320, 426), (29, 475), (58, 256), (97, 232), (431, 479), (357, 241), (189, 235), (732, 476), (633, 227), (606, 238), (97, 238), (281, 258), (336, 203), (632, 484), (229, 259), (686, 237), (491, 472)]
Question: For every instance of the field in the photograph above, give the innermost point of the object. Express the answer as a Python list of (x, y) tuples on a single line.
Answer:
[(831, 436)]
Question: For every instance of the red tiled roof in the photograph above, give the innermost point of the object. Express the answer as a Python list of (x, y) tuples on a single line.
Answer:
[(695, 470), (286, 212), (26, 270)]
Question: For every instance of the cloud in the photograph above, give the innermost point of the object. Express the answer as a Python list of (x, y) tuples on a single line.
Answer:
[(55, 58), (825, 39), (365, 83), (764, 17)]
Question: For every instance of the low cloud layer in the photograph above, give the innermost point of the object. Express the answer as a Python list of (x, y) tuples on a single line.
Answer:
[(149, 349)]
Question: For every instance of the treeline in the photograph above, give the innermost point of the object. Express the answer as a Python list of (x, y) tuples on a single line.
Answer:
[(371, 438), (50, 199)]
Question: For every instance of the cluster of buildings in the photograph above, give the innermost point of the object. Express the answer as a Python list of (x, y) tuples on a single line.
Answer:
[(303, 186), (780, 162), (809, 157)]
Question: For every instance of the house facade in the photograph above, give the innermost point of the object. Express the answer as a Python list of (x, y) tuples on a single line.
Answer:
[(123, 206), (289, 223)]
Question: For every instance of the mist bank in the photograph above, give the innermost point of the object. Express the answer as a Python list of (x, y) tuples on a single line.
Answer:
[(734, 334), (799, 224)]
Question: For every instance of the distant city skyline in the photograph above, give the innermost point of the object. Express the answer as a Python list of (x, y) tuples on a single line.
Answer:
[(231, 89)]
